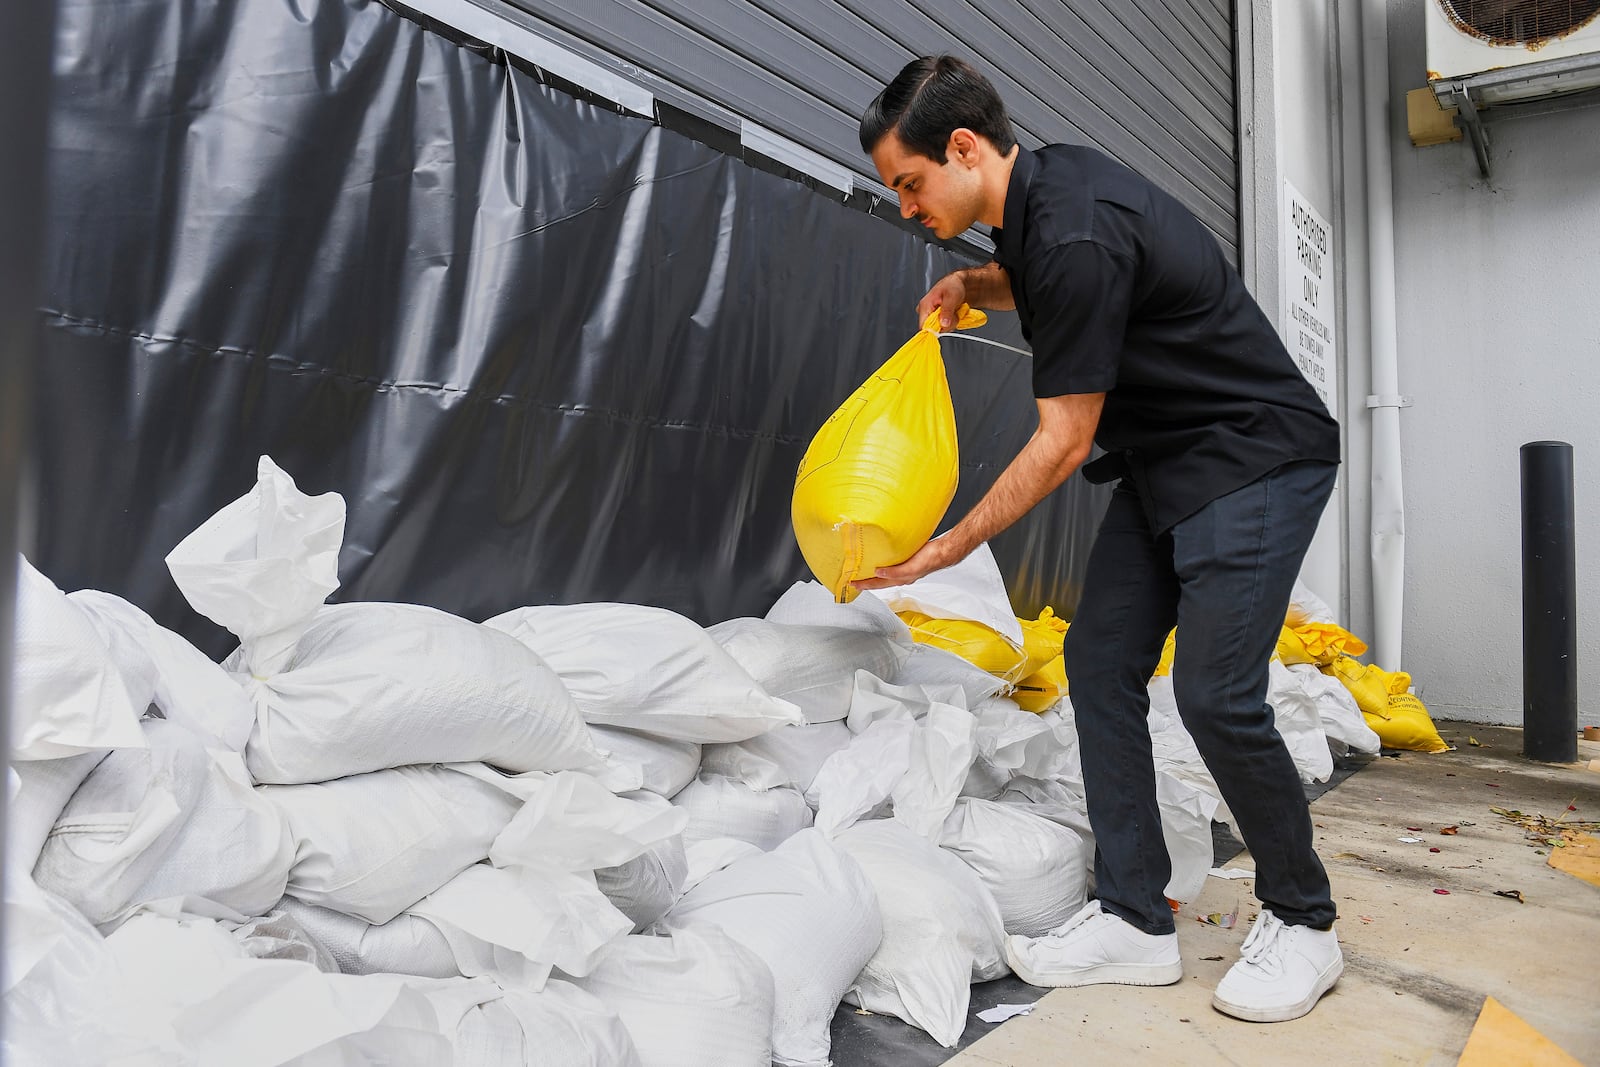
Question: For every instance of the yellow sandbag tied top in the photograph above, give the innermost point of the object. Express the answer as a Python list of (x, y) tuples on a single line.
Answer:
[(882, 470), (1399, 719), (1317, 642), (980, 645), (1041, 640)]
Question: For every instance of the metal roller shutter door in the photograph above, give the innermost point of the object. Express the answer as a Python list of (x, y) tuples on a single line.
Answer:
[(1149, 81)]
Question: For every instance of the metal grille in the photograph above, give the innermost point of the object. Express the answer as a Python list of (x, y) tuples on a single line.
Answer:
[(1520, 22)]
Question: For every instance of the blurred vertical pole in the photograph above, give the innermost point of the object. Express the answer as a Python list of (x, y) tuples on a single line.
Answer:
[(1549, 604), (26, 49)]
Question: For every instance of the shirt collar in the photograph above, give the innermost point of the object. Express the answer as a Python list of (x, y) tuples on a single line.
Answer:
[(1008, 239)]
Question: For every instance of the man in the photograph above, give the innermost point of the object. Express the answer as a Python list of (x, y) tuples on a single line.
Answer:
[(1145, 341)]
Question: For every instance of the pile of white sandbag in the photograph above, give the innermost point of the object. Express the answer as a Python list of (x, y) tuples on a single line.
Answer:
[(591, 834)]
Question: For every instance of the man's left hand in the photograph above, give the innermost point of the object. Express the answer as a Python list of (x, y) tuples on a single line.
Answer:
[(936, 555)]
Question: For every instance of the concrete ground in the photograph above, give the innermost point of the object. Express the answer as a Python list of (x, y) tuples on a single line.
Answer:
[(1419, 963)]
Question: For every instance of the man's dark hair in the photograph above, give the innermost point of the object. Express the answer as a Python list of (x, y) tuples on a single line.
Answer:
[(931, 98)]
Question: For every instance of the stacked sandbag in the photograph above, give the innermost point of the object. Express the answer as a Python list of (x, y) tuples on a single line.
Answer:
[(808, 648), (406, 944), (647, 669), (371, 845), (42, 790), (720, 807), (691, 998), (645, 887), (788, 756), (169, 820), (167, 673), (68, 695), (1037, 870), (664, 766), (808, 911), (942, 930), (352, 688)]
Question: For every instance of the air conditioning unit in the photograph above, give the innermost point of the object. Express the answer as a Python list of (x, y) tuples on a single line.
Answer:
[(1503, 51)]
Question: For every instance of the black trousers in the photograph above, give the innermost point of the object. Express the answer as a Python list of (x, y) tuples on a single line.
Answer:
[(1223, 576)]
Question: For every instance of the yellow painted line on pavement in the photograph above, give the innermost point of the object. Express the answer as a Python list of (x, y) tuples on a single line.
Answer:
[(1500, 1038)]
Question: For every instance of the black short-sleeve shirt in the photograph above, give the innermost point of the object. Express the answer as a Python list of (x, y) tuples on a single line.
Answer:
[(1121, 290)]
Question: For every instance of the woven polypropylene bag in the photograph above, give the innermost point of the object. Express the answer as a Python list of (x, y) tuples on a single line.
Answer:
[(882, 470)]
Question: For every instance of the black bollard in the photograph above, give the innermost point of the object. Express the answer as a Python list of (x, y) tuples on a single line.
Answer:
[(1549, 605)]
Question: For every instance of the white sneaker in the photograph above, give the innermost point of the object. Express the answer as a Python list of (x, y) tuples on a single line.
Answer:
[(1281, 973), (1095, 947)]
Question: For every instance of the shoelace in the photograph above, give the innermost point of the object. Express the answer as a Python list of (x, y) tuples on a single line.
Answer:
[(1266, 945), (1089, 911)]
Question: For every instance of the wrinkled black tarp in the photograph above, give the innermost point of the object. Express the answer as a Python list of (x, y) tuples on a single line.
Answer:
[(546, 351)]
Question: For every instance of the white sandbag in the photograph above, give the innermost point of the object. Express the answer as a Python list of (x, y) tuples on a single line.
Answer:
[(972, 589), (280, 935), (930, 666), (1297, 715), (807, 909), (183, 683), (1059, 800), (814, 666), (372, 845), (190, 989), (68, 696), (58, 976), (406, 944), (912, 747), (692, 998), (665, 766), (857, 781), (706, 858), (352, 688), (515, 924), (722, 807), (571, 822), (170, 820), (647, 669), (558, 1026), (1343, 724), (1037, 870), (645, 887), (373, 686), (1174, 750), (942, 930), (43, 788), (1186, 814), (789, 755)]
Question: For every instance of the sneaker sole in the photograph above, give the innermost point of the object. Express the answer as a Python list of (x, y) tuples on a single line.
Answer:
[(1145, 974), (1325, 982)]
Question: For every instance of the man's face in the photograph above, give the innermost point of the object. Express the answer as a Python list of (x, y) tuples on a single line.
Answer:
[(945, 197)]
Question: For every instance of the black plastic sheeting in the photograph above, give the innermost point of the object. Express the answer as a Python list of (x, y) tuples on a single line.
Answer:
[(549, 353)]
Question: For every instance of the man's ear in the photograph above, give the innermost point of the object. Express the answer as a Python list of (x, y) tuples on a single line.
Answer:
[(963, 146)]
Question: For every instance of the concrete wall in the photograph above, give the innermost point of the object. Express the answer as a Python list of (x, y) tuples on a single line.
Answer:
[(1499, 341)]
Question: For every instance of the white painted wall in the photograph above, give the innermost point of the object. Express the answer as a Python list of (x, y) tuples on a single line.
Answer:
[(1499, 340), (1291, 128)]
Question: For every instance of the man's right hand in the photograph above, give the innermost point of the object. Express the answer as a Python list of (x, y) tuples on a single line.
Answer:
[(948, 294)]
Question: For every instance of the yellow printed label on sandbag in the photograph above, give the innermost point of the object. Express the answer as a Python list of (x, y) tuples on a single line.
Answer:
[(1406, 724), (881, 472), (979, 645)]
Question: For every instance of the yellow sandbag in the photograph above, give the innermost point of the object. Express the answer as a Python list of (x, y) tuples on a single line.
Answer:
[(1407, 724), (1168, 651), (1317, 642), (974, 642), (1043, 689), (1041, 641), (882, 470), (1369, 684)]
